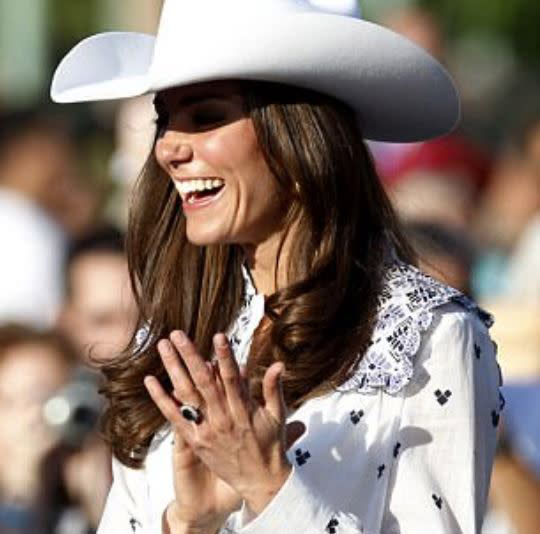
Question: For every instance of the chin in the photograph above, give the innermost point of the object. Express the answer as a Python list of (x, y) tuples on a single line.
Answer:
[(204, 239)]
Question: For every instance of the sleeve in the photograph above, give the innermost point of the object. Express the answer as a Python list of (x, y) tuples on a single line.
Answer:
[(297, 507), (447, 436), (124, 510)]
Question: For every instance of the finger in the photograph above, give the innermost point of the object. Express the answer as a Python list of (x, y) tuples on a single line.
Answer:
[(293, 431), (273, 392), (183, 455), (244, 382), (230, 376), (201, 375), (167, 406), (219, 381), (184, 389)]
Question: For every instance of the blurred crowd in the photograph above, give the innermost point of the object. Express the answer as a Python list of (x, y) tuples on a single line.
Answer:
[(471, 209)]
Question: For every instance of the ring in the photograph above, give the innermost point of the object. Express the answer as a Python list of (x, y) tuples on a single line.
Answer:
[(191, 413)]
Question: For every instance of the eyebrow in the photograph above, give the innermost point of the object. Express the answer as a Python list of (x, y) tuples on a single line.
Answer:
[(195, 99)]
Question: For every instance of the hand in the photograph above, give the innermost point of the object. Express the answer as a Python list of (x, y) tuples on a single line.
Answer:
[(238, 450)]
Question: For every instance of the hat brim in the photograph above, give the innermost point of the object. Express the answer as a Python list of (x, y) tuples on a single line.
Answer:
[(399, 92)]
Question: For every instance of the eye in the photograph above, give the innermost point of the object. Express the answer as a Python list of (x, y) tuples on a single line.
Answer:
[(206, 117)]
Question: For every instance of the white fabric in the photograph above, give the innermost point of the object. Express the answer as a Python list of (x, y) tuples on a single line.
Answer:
[(31, 269), (340, 7), (399, 91), (371, 461)]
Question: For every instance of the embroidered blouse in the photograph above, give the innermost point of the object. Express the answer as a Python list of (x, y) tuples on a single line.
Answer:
[(405, 446)]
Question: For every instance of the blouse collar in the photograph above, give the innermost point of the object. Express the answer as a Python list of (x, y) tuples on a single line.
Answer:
[(405, 312)]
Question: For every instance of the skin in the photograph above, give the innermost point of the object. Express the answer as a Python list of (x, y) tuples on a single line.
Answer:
[(29, 374), (41, 166), (100, 311), (209, 135), (237, 453)]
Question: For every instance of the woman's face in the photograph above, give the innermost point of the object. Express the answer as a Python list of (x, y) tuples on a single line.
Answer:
[(208, 147)]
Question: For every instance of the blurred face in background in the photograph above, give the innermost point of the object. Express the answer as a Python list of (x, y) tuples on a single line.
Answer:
[(29, 374), (100, 311), (41, 165)]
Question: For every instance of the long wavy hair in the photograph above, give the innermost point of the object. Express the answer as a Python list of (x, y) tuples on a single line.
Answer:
[(321, 323)]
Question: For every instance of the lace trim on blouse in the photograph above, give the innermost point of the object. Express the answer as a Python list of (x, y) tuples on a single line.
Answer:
[(405, 312)]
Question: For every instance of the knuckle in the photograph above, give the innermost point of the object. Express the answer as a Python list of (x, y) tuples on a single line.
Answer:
[(203, 379), (202, 440), (186, 392), (224, 425), (243, 425), (168, 411)]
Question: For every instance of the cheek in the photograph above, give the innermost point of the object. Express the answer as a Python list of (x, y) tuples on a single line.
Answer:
[(227, 151)]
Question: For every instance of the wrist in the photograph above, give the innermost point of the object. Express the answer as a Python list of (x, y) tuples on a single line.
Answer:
[(258, 498), (173, 524)]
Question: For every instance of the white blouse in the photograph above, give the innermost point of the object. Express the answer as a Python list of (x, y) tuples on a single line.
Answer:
[(404, 447)]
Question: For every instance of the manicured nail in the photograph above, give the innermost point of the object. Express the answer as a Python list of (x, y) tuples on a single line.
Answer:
[(221, 341), (179, 337), (148, 382)]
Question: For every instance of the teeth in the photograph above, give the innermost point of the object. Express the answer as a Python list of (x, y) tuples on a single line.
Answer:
[(191, 186)]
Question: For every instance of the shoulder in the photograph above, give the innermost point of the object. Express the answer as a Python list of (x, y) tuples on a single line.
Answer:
[(414, 310)]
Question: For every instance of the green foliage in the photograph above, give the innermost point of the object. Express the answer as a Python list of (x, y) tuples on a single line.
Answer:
[(517, 20), (70, 21)]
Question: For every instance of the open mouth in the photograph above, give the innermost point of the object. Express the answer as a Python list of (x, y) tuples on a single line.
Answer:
[(201, 191)]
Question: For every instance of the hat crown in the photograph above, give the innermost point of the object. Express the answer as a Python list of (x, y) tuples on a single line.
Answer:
[(186, 10), (193, 28)]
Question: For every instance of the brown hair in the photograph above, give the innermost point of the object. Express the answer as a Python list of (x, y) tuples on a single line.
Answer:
[(321, 324), (13, 335)]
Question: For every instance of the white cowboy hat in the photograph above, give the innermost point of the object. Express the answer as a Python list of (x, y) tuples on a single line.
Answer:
[(399, 92)]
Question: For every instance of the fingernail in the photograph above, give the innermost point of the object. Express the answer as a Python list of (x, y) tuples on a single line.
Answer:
[(180, 337), (148, 382), (221, 340), (164, 345)]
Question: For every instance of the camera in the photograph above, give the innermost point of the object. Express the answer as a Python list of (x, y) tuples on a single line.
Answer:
[(74, 410)]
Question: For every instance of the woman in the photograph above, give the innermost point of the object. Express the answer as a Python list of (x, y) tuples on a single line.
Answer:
[(260, 238)]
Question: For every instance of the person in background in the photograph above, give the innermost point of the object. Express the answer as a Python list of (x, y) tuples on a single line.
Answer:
[(33, 365), (508, 280), (41, 203), (98, 314), (508, 220), (440, 181)]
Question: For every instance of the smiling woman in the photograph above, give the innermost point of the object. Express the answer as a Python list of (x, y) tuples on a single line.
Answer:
[(278, 301), (208, 146)]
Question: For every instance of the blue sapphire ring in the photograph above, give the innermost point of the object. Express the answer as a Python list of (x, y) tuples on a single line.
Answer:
[(190, 413)]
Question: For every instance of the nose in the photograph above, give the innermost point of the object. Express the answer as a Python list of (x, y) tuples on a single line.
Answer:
[(173, 149)]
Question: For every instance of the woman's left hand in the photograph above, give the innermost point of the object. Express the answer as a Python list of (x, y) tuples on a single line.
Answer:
[(242, 442)]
